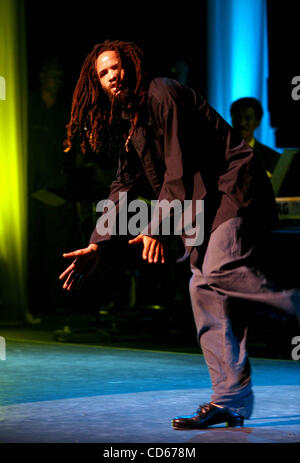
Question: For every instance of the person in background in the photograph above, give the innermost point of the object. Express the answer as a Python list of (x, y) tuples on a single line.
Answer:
[(246, 114), (51, 217), (180, 70)]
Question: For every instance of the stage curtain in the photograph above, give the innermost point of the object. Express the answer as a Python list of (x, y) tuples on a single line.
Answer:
[(13, 161)]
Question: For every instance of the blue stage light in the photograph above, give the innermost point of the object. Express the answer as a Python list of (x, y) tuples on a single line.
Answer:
[(238, 58)]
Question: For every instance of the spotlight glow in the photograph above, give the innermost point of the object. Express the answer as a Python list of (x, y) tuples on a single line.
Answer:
[(238, 57), (13, 160)]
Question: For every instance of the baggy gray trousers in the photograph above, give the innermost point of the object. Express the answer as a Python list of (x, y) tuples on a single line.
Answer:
[(224, 277)]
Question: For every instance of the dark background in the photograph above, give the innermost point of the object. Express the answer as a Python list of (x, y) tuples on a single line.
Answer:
[(283, 26), (165, 31), (70, 30)]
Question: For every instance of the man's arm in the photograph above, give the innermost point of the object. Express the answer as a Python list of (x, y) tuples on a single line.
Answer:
[(86, 259), (173, 110)]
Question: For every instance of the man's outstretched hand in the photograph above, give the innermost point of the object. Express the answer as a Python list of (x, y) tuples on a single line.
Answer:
[(153, 250), (83, 265)]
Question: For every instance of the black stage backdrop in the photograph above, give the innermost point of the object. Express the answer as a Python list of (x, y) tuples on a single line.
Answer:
[(165, 31)]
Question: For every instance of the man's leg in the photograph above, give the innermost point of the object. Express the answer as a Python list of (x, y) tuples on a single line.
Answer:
[(227, 276), (229, 268), (223, 343)]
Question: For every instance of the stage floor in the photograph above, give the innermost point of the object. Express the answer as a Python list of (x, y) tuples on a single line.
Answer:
[(66, 393)]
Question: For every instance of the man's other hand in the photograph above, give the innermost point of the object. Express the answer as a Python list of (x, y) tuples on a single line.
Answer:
[(83, 265), (153, 250)]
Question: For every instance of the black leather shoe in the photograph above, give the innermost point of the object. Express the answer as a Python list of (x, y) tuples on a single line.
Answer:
[(208, 415)]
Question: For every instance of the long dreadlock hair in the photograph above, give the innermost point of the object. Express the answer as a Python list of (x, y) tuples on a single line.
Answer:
[(91, 111)]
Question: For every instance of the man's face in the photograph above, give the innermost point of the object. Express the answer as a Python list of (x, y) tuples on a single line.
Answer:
[(109, 73), (52, 80), (245, 122)]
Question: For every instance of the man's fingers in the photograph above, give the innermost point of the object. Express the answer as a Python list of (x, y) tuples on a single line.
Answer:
[(91, 249), (74, 280), (157, 253), (71, 267), (152, 249), (162, 257), (68, 283), (78, 252), (135, 240), (147, 244)]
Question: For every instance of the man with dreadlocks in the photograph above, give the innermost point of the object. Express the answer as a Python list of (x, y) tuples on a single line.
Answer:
[(167, 134)]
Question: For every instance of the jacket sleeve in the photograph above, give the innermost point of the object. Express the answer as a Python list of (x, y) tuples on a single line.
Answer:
[(243, 186), (176, 205)]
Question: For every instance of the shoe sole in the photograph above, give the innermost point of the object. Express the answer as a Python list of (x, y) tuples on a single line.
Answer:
[(228, 424)]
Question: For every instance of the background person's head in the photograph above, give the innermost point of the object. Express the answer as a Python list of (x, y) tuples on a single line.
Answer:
[(52, 80), (246, 114)]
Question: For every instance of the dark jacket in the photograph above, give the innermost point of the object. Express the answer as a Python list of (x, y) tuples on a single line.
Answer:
[(186, 150), (267, 156)]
